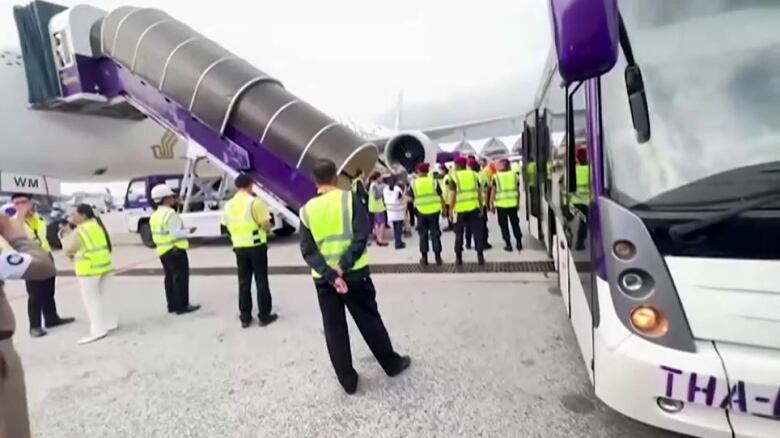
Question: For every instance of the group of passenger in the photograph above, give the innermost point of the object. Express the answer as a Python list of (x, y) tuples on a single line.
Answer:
[(462, 195)]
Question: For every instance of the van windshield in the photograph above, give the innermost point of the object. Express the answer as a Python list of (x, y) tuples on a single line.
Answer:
[(711, 75)]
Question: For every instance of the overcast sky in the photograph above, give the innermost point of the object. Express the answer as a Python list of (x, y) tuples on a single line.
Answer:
[(351, 57)]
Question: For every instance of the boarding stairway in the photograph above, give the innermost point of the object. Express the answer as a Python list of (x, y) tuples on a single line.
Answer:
[(242, 118)]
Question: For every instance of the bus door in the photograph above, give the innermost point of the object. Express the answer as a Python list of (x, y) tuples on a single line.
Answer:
[(576, 231), (531, 175)]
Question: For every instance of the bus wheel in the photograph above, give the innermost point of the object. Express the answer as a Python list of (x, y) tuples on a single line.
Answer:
[(285, 230), (146, 235)]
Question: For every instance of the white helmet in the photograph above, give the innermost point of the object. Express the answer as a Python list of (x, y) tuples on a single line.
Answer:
[(161, 191)]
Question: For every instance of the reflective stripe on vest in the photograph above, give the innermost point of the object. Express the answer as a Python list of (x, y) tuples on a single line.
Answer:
[(329, 219), (506, 189), (467, 198), (375, 205), (161, 234), (94, 257), (35, 227), (582, 195), (426, 199), (238, 218)]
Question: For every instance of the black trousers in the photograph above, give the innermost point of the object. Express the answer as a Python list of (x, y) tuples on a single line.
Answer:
[(428, 228), (412, 212), (176, 265), (507, 217), (253, 262), (471, 220), (485, 229), (361, 302), (40, 301)]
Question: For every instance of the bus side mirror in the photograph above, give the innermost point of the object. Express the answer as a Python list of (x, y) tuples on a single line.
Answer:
[(585, 33)]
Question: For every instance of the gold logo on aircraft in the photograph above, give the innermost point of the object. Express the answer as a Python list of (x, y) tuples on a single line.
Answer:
[(164, 150)]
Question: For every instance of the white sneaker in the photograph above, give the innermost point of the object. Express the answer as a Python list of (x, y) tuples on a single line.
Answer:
[(90, 339)]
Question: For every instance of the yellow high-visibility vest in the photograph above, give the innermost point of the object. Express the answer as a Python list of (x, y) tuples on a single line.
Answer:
[(426, 199), (506, 189), (467, 187), (238, 218), (329, 219), (161, 233), (35, 227), (375, 205), (582, 195), (94, 257), (530, 170)]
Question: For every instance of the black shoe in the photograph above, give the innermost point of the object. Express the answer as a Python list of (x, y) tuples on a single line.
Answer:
[(171, 310), (189, 309), (268, 320), (60, 321), (401, 246), (458, 260), (519, 246), (488, 246), (439, 262), (350, 384), (480, 260), (37, 332), (245, 324), (508, 248), (402, 366), (468, 246), (424, 260)]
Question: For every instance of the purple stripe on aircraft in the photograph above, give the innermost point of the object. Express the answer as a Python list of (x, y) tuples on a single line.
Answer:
[(236, 149), (596, 158)]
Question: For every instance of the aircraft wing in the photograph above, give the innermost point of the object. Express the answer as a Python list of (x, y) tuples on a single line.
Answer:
[(437, 132)]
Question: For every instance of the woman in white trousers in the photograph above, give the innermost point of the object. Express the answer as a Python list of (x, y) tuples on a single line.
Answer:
[(89, 245)]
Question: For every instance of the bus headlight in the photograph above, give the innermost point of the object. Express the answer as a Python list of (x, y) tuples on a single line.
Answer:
[(636, 284), (649, 321)]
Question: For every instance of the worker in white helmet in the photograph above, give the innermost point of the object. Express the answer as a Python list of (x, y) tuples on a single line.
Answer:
[(170, 237)]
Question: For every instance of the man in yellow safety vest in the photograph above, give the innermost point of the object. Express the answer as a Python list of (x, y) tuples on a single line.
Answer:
[(248, 222), (426, 193), (334, 232), (506, 200), (170, 237), (466, 201), (40, 292)]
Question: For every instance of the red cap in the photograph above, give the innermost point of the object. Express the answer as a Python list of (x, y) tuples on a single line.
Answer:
[(460, 161), (423, 167)]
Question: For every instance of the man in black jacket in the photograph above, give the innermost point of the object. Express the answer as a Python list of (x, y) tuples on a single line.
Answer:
[(341, 274)]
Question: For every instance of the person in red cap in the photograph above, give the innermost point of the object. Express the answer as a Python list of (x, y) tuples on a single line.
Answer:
[(428, 205), (466, 201), (483, 183), (446, 177)]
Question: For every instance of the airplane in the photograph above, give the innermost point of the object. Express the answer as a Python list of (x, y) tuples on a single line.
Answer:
[(47, 146)]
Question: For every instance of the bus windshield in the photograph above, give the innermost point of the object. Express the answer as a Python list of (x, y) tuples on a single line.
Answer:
[(711, 72)]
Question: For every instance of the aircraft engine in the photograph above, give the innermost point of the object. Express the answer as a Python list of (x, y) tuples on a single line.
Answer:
[(410, 148)]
